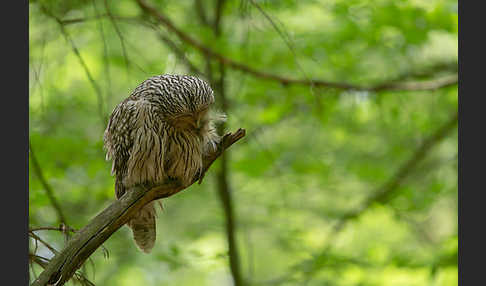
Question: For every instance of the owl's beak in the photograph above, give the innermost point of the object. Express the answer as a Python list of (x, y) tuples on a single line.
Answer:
[(195, 123)]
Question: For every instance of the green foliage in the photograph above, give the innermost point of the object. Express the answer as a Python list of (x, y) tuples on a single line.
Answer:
[(311, 155)]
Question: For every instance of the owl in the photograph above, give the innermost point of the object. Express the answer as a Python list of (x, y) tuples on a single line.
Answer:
[(161, 131)]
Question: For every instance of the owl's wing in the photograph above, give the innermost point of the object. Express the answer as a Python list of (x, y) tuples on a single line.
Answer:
[(118, 142), (134, 141)]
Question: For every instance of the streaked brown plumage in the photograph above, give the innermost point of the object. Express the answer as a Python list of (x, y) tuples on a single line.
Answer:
[(160, 131)]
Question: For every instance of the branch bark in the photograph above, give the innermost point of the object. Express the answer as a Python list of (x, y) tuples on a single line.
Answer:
[(392, 86), (84, 242)]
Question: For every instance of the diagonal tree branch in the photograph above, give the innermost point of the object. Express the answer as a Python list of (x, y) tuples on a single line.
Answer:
[(84, 242), (393, 86), (389, 188), (177, 51), (381, 195)]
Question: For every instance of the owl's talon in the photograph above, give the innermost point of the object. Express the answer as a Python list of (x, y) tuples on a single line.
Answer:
[(200, 176)]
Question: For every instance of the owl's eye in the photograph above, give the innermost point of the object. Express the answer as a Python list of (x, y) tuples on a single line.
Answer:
[(185, 117)]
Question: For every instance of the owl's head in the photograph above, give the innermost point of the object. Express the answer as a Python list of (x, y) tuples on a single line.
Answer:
[(182, 100)]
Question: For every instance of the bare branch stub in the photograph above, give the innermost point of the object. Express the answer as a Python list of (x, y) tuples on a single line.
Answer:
[(228, 140)]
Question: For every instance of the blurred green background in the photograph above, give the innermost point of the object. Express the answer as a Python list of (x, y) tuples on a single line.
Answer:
[(331, 186)]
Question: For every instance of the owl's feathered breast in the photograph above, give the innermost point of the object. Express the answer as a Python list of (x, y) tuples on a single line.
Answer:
[(144, 142)]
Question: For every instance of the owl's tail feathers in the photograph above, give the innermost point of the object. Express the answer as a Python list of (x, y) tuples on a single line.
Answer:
[(143, 228)]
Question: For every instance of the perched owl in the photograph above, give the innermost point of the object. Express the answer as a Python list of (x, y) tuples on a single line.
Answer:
[(162, 130)]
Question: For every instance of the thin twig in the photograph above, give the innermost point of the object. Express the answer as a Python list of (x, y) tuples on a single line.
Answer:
[(105, 54), (285, 37), (201, 12), (50, 193), (62, 228), (36, 237), (43, 262), (37, 73), (67, 37), (66, 229), (36, 245), (119, 34), (82, 19), (218, 17)]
